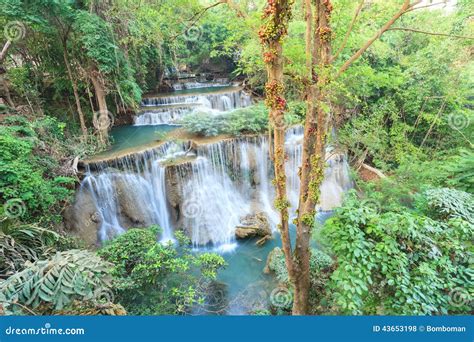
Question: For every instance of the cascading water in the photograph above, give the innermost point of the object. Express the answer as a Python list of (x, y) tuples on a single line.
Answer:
[(132, 184), (213, 205), (199, 85), (161, 116), (221, 183), (170, 109)]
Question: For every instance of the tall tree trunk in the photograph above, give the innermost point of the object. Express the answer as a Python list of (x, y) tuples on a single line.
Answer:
[(102, 117), (75, 91), (312, 169), (276, 16)]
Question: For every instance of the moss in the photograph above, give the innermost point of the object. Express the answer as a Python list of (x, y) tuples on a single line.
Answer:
[(308, 218), (316, 177)]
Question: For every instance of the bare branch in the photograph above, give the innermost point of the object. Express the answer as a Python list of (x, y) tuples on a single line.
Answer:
[(413, 7), (196, 17), (348, 33), (406, 5), (430, 33), (4, 51)]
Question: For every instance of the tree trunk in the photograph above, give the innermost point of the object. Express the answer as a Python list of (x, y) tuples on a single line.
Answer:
[(312, 169), (4, 51), (75, 91), (101, 119), (276, 16)]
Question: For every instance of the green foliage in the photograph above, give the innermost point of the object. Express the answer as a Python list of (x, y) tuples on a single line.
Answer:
[(446, 203), (397, 262), (240, 121), (249, 120), (155, 278), (22, 243), (57, 281), (460, 171), (27, 167)]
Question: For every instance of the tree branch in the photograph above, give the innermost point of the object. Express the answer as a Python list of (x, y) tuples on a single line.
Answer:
[(196, 17), (430, 33), (413, 8), (4, 51), (348, 33), (406, 6)]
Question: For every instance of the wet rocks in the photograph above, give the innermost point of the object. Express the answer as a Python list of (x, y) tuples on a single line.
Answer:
[(256, 225)]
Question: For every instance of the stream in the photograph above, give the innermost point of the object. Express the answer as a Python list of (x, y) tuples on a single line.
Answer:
[(205, 188)]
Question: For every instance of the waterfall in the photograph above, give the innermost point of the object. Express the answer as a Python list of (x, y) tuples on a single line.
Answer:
[(213, 205), (105, 200), (161, 116), (217, 185), (199, 85), (233, 97), (132, 188), (169, 109), (294, 150)]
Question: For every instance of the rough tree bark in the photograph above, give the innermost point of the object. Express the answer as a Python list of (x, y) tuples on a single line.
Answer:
[(101, 119), (276, 16), (75, 90), (312, 169), (318, 50), (4, 51), (315, 133)]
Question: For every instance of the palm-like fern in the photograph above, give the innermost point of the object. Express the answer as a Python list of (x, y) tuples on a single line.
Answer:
[(22, 243), (66, 276)]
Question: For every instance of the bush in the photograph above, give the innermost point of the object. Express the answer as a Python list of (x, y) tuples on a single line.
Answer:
[(34, 176), (20, 243), (397, 262), (320, 270), (153, 278), (55, 282), (445, 203)]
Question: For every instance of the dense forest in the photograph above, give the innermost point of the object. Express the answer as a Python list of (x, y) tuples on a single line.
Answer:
[(211, 157)]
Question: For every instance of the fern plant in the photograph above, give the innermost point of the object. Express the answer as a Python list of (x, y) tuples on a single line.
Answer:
[(451, 203), (25, 242), (56, 282)]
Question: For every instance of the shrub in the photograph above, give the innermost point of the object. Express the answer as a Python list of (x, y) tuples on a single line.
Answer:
[(154, 278), (445, 203), (32, 168), (397, 262), (56, 282), (20, 243)]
